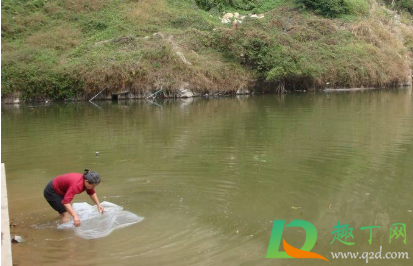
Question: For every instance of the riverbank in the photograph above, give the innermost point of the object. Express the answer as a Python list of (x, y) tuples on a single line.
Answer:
[(72, 50), (184, 94)]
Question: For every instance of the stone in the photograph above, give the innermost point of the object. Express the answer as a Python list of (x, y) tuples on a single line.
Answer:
[(257, 16), (17, 239), (228, 15), (242, 91), (185, 93), (13, 98), (225, 20)]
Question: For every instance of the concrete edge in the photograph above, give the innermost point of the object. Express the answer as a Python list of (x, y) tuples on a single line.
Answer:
[(6, 259)]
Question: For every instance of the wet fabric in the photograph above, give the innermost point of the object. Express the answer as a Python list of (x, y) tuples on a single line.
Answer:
[(96, 225)]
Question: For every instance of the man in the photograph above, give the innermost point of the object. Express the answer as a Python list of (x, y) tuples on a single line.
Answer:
[(62, 189)]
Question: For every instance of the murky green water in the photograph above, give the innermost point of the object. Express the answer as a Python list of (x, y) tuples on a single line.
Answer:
[(211, 175)]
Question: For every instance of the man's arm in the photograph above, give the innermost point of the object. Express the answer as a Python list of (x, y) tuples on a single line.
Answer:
[(72, 212), (95, 199)]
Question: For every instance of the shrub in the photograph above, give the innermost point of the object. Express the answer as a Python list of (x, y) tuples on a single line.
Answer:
[(226, 4), (405, 5), (335, 8), (257, 53), (328, 8), (357, 6)]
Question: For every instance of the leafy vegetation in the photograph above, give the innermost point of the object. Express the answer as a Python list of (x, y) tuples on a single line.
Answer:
[(335, 8), (406, 5)]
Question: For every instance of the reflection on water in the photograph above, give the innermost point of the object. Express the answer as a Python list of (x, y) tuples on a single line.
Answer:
[(211, 175)]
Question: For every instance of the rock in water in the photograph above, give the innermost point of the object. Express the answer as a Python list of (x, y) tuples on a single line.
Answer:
[(17, 239)]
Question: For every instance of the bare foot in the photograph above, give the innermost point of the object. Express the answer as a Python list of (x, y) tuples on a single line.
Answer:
[(65, 217)]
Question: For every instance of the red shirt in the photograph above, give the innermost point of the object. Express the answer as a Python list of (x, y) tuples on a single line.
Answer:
[(68, 185)]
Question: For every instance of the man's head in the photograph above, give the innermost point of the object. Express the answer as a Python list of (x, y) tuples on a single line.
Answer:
[(92, 179)]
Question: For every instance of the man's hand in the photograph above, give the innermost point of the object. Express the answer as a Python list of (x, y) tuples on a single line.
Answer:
[(76, 221), (100, 209)]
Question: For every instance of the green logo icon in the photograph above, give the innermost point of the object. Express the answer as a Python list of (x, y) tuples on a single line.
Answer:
[(290, 251)]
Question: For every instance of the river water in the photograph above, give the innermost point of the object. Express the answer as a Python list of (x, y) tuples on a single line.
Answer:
[(211, 175)]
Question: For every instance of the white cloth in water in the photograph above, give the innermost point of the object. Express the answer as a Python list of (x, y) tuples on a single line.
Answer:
[(96, 225)]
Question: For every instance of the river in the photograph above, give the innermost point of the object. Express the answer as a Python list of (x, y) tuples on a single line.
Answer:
[(210, 176)]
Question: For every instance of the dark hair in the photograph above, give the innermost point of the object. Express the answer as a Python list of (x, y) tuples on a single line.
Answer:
[(91, 177)]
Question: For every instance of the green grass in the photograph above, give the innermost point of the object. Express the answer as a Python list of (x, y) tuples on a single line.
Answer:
[(74, 48)]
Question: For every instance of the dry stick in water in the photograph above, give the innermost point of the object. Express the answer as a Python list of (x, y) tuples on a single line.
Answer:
[(97, 94)]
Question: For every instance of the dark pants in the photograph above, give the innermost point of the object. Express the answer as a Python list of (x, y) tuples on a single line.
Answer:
[(54, 199)]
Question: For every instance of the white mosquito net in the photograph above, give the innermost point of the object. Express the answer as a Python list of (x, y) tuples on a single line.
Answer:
[(96, 225)]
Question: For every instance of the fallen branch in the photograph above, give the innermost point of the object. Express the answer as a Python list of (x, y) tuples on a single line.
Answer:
[(97, 94)]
